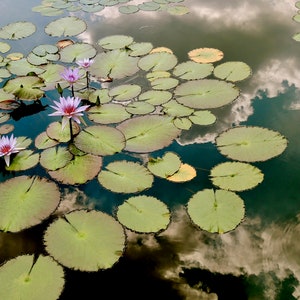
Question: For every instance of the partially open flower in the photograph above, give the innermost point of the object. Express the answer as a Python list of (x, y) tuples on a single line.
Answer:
[(71, 75), (8, 146), (85, 63), (68, 108)]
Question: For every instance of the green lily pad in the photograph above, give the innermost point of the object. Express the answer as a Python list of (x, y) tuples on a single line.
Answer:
[(66, 26), (26, 201), (236, 176), (139, 49), (4, 47), (25, 87), (206, 93), (97, 240), (164, 83), (29, 278), (185, 173), (232, 71), (81, 169), (183, 123), (17, 30), (140, 108), (191, 70), (116, 64), (203, 117), (125, 92), (144, 214), (151, 76), (174, 109), (108, 113), (100, 140), (164, 166), (92, 8), (155, 97), (77, 52), (158, 61), (47, 10), (55, 131), (251, 143), (101, 95), (216, 210), (22, 67), (128, 9), (125, 177), (115, 42), (178, 10), (149, 6), (148, 133), (51, 75), (23, 160), (42, 141), (55, 158)]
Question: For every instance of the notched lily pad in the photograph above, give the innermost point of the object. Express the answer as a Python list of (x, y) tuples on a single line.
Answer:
[(17, 30), (232, 71), (205, 55)]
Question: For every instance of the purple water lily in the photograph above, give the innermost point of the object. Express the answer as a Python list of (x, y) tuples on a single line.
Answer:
[(8, 146), (85, 63), (71, 75), (69, 109)]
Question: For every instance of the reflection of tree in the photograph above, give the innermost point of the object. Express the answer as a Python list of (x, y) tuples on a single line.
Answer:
[(27, 110)]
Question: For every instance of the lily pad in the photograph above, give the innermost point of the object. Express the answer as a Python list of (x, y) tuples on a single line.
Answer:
[(155, 97), (125, 92), (183, 123), (149, 6), (29, 278), (26, 201), (144, 214), (115, 42), (42, 141), (55, 131), (175, 109), (125, 177), (100, 140), (158, 61), (4, 47), (97, 240), (24, 160), (66, 26), (77, 51), (164, 166), (22, 67), (139, 49), (108, 113), (191, 70), (232, 71), (185, 173), (205, 55), (140, 108), (236, 176), (216, 210), (128, 9), (55, 158), (164, 83), (148, 133), (178, 10), (251, 143), (79, 170), (17, 30), (206, 93), (203, 117)]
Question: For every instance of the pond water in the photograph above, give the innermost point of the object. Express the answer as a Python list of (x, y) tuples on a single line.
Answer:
[(260, 258)]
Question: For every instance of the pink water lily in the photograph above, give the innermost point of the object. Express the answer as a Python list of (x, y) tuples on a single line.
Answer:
[(8, 146), (71, 75), (68, 108), (85, 63)]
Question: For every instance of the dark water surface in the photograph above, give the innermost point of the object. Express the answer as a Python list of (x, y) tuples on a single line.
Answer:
[(261, 258)]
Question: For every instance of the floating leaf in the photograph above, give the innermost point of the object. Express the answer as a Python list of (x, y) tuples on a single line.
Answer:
[(203, 117), (186, 172), (148, 133), (144, 214), (66, 26), (232, 71), (116, 64), (17, 30), (178, 10), (216, 211), (251, 143), (24, 160), (174, 109), (205, 55), (26, 201), (164, 83), (164, 166), (55, 158), (125, 92), (79, 170), (149, 6), (128, 9), (29, 278), (108, 113), (4, 47), (140, 108), (97, 240), (55, 131), (183, 123), (25, 87), (206, 93), (115, 42), (155, 97), (236, 176), (191, 70), (125, 177), (139, 49), (42, 141), (158, 61), (22, 67), (77, 51), (100, 140), (101, 94)]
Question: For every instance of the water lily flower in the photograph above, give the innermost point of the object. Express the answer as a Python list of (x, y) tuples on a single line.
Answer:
[(69, 109), (8, 146), (85, 63), (71, 75)]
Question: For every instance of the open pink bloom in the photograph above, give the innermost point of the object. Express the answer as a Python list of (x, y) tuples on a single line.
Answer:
[(71, 75), (68, 108), (8, 146), (85, 63)]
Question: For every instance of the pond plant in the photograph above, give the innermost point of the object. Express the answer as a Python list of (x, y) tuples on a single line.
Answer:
[(100, 115)]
